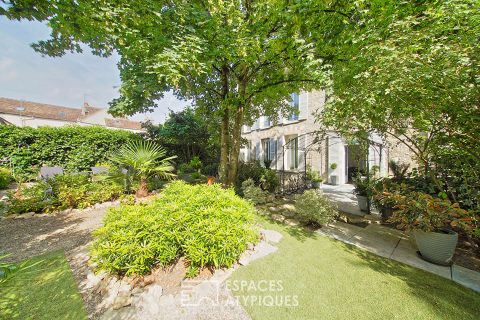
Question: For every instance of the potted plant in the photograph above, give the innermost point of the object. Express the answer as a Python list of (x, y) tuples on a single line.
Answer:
[(432, 221), (317, 181), (333, 178), (363, 190), (313, 178), (381, 196)]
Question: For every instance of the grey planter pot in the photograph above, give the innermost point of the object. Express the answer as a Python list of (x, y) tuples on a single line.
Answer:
[(317, 184), (333, 180), (436, 247), (386, 213), (362, 203)]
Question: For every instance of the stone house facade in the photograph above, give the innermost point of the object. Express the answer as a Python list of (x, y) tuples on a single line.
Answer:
[(292, 144)]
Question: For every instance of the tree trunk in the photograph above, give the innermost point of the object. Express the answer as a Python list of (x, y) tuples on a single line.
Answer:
[(236, 138), (224, 149), (224, 136), (235, 146), (142, 188)]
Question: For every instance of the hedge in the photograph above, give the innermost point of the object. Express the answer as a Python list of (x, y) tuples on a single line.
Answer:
[(75, 148)]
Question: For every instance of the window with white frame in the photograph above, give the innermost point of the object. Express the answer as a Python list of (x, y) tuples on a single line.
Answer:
[(292, 148), (266, 149), (295, 106)]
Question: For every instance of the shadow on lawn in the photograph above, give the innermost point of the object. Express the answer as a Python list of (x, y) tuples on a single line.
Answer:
[(301, 233), (43, 290), (445, 295)]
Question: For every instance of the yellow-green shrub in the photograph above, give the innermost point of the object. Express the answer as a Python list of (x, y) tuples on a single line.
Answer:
[(5, 178), (208, 225)]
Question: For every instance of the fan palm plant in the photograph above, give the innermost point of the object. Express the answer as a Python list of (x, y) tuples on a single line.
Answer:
[(144, 159)]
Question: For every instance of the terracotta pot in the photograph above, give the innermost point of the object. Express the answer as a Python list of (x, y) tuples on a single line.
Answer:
[(436, 247), (210, 180)]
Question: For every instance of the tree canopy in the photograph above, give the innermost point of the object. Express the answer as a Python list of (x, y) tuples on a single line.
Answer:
[(235, 59), (412, 74)]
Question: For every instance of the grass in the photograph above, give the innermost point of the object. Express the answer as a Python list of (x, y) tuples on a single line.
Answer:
[(46, 290), (333, 280)]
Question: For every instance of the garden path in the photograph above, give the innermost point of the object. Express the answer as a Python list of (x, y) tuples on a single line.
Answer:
[(29, 235)]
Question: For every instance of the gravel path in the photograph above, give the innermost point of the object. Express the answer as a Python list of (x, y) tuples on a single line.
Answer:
[(26, 238)]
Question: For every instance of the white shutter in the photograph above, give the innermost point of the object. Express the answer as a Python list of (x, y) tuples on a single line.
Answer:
[(301, 152), (272, 150)]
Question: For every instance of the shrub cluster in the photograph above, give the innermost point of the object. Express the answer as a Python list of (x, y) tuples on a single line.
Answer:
[(266, 179), (75, 148), (314, 207), (5, 178), (61, 192), (208, 225), (253, 193)]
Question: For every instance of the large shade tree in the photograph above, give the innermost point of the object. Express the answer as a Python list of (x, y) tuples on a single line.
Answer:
[(412, 74), (236, 59)]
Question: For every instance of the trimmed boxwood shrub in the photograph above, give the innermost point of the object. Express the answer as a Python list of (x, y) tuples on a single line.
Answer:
[(208, 225), (75, 148), (313, 207)]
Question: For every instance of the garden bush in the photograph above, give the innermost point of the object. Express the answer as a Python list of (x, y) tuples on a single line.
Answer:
[(253, 193), (61, 192), (250, 170), (32, 198), (210, 169), (269, 180), (75, 148), (208, 225), (5, 178), (314, 207)]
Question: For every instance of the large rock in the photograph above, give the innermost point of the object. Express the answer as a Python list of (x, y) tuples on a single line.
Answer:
[(271, 236), (121, 301), (94, 280)]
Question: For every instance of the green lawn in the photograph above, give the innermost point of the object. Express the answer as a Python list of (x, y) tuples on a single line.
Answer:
[(336, 281), (47, 290)]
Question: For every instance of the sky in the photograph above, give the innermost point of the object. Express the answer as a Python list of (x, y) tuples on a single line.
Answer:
[(66, 81)]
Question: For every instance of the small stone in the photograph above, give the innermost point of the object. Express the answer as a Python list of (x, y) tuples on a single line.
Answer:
[(11, 216), (149, 279), (244, 258), (120, 302), (93, 280), (137, 291), (288, 214), (291, 222), (273, 209), (288, 206), (277, 217), (124, 290), (26, 215), (156, 291)]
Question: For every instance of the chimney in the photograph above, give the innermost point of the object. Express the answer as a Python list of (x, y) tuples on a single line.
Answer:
[(85, 108)]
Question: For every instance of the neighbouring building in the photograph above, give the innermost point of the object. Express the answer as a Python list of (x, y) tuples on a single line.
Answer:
[(33, 114), (292, 144)]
